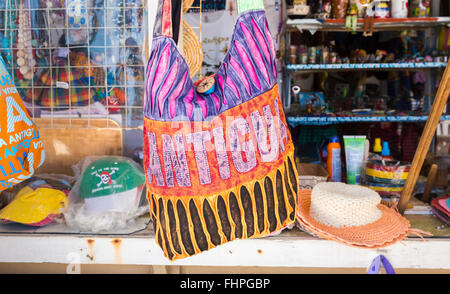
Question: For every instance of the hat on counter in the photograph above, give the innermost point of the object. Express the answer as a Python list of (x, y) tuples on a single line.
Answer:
[(218, 154), (351, 215), (34, 207), (111, 183)]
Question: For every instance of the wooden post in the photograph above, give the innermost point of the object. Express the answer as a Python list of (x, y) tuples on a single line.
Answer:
[(425, 140), (430, 183)]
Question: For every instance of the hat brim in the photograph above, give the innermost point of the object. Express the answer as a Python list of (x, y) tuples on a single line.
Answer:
[(389, 229)]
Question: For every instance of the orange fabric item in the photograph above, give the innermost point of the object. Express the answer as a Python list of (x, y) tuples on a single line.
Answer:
[(389, 229), (21, 149), (191, 219)]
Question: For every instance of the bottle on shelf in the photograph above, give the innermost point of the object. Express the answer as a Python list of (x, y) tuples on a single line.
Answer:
[(377, 148), (334, 160), (386, 152)]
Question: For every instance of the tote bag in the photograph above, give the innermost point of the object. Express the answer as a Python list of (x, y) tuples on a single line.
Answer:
[(21, 149), (218, 154)]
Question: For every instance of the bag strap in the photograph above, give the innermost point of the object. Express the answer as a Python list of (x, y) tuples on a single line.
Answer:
[(379, 261), (168, 19)]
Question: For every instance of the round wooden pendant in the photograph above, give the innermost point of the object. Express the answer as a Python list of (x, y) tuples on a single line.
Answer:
[(206, 86)]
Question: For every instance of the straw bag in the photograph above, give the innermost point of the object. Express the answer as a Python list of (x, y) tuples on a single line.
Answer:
[(21, 150)]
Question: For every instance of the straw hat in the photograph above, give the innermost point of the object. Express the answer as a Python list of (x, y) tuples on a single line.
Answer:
[(186, 5), (192, 47), (352, 215)]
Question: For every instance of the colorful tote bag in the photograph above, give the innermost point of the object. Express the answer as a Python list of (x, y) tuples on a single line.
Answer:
[(218, 154), (21, 149)]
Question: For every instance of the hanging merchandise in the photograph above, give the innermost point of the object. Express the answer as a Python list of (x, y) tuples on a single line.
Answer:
[(217, 172), (21, 149), (63, 86), (6, 36), (80, 22), (351, 215), (25, 55), (107, 194)]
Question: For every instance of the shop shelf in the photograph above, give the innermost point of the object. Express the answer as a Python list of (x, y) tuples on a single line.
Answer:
[(329, 120), (291, 248), (379, 24), (364, 66)]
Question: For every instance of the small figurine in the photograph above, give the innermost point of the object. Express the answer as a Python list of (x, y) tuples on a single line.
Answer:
[(380, 55), (352, 16), (368, 20)]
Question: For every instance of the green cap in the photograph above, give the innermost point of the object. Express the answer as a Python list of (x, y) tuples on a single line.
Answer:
[(110, 175)]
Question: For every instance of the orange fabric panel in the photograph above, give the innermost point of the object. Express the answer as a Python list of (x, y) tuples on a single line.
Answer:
[(21, 149), (270, 98)]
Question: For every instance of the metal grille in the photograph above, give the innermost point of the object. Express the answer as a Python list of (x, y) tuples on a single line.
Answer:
[(87, 57)]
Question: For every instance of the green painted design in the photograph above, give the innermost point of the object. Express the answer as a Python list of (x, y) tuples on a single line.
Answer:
[(245, 5), (110, 175)]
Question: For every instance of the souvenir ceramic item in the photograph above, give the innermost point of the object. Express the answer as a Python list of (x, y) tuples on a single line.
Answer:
[(219, 166), (399, 8), (21, 149), (25, 59), (381, 9)]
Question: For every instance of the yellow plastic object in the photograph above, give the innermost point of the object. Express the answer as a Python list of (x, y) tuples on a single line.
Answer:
[(33, 206), (377, 147)]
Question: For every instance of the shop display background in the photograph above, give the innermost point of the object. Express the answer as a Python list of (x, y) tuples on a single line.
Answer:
[(112, 39)]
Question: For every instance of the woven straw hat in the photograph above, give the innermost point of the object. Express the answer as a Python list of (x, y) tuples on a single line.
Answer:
[(192, 47), (186, 5), (351, 215)]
